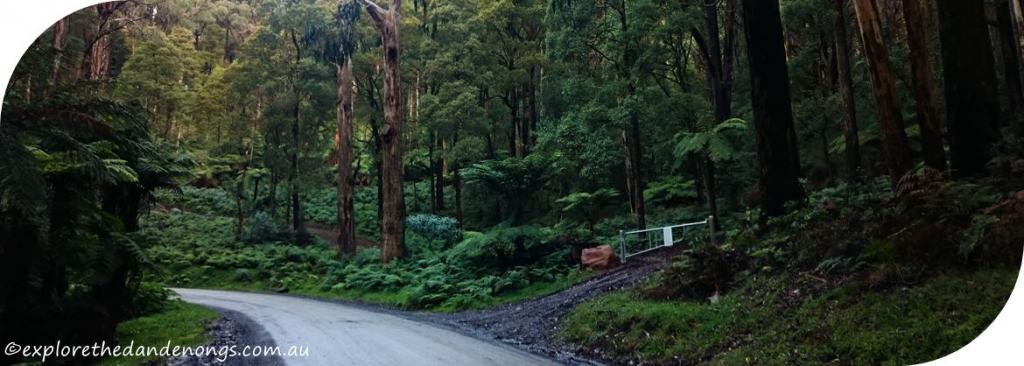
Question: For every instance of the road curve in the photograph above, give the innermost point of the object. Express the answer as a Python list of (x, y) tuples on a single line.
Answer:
[(343, 335)]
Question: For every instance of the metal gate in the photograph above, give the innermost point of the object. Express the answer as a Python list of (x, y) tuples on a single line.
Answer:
[(636, 242)]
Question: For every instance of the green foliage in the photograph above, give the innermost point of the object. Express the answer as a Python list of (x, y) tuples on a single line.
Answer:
[(671, 191), (434, 227), (588, 207), (717, 143), (262, 228), (502, 248)]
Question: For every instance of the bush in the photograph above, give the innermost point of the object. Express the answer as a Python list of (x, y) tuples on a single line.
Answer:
[(502, 248), (699, 273), (149, 298), (433, 227), (262, 228)]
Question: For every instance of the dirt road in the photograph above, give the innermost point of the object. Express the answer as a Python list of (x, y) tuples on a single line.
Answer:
[(338, 334)]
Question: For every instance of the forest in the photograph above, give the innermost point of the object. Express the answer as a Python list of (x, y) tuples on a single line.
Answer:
[(862, 162)]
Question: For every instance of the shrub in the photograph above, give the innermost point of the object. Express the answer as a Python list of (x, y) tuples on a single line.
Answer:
[(149, 298), (434, 227), (699, 273), (262, 228), (502, 248)]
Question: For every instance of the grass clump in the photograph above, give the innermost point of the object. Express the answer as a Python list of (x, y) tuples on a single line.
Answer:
[(181, 323)]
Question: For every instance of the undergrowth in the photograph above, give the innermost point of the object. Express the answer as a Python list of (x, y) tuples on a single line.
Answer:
[(447, 269)]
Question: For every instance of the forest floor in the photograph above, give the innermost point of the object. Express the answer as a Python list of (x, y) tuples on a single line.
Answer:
[(330, 235)]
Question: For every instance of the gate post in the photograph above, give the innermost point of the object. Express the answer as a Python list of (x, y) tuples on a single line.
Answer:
[(622, 245), (711, 229)]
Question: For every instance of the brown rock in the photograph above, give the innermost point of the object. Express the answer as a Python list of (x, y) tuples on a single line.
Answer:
[(601, 257)]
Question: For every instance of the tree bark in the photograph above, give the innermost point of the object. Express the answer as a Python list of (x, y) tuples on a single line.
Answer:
[(718, 69), (773, 115), (60, 32), (850, 129), (921, 72), (894, 138), (293, 186), (972, 101), (1011, 58), (438, 193), (393, 220), (1017, 14), (346, 181)]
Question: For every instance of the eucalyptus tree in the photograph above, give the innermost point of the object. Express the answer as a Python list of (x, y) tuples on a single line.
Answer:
[(777, 149), (972, 100), (393, 196)]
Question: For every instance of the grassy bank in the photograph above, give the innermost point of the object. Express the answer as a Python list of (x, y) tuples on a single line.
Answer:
[(780, 320), (180, 323)]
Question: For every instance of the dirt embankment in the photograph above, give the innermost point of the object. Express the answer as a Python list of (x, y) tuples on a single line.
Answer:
[(533, 324)]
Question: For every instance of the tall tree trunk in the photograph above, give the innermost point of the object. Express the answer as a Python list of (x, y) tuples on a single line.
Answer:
[(631, 128), (972, 102), (634, 182), (532, 113), (457, 187), (346, 181), (1011, 58), (850, 130), (393, 223), (60, 32), (438, 179), (293, 185), (773, 115), (718, 70), (894, 138), (921, 71)]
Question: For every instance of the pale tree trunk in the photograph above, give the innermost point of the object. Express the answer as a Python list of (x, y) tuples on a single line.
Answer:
[(850, 129), (346, 210), (894, 138), (921, 72), (393, 220), (60, 32), (98, 52)]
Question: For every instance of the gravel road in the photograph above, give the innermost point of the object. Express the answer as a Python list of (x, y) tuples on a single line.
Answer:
[(338, 334)]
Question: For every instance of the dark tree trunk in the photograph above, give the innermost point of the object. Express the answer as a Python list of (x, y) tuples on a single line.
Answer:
[(631, 128), (438, 181), (850, 129), (532, 113), (293, 185), (972, 102), (1011, 58), (773, 115), (894, 138), (921, 71), (457, 186), (718, 69), (346, 181)]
